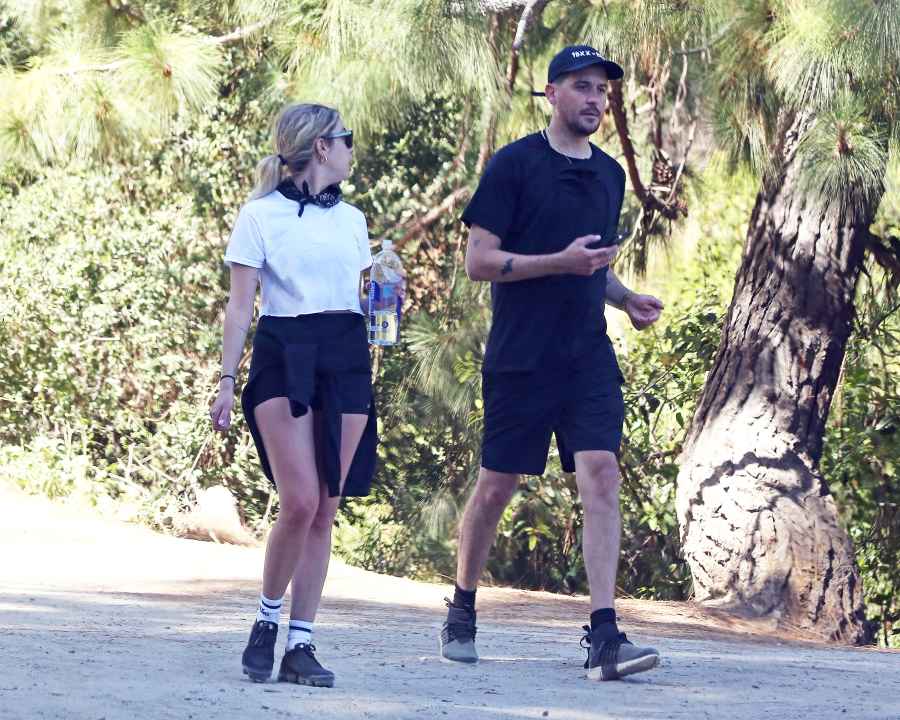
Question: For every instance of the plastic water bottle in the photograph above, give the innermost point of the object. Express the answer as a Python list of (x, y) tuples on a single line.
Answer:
[(386, 280)]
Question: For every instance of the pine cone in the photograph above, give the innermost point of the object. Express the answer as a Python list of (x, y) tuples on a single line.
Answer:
[(663, 173)]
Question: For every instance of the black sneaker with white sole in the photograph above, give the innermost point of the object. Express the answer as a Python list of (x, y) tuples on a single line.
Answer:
[(615, 657), (299, 665), (259, 655)]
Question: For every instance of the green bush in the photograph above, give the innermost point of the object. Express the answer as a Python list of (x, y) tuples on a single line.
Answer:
[(111, 296), (861, 452), (860, 460)]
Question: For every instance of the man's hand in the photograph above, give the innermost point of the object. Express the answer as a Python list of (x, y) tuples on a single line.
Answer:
[(578, 259), (642, 310)]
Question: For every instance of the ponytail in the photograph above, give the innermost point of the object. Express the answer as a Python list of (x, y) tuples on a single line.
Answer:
[(269, 173)]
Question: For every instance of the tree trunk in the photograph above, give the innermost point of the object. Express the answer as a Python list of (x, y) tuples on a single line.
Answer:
[(759, 527)]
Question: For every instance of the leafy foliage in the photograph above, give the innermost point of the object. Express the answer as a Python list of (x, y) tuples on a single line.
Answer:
[(860, 459), (862, 446)]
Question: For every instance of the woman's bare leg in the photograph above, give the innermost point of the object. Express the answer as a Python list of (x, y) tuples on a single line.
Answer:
[(312, 567), (290, 447)]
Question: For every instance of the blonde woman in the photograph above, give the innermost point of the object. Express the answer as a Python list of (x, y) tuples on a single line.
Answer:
[(308, 398)]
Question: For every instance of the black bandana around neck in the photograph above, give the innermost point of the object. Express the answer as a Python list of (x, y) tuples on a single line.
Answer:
[(329, 197)]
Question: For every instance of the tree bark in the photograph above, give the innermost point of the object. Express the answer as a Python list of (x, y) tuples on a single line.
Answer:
[(759, 526)]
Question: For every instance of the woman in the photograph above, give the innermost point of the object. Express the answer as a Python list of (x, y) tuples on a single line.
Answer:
[(308, 398)]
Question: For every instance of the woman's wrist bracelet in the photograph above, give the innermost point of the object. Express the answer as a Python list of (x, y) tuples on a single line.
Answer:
[(233, 378)]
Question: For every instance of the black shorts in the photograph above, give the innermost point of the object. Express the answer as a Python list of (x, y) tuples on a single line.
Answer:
[(581, 404)]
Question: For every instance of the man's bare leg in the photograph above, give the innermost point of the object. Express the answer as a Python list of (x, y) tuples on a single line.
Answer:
[(597, 477), (478, 528), (609, 656), (477, 532)]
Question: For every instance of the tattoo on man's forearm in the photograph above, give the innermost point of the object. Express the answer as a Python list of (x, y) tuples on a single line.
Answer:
[(507, 267)]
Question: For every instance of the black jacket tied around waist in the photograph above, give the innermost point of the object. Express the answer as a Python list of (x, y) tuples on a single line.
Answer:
[(315, 367)]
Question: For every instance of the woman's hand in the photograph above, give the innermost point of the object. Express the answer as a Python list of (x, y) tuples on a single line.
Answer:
[(220, 412)]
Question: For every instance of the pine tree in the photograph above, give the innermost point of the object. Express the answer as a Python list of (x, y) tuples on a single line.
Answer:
[(807, 90)]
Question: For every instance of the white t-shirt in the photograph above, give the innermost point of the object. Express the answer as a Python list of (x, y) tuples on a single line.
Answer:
[(306, 264)]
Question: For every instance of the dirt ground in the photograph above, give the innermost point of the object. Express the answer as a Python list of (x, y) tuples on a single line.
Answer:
[(103, 620)]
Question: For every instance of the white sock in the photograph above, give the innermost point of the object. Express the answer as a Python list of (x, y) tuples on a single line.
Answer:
[(269, 610), (299, 633)]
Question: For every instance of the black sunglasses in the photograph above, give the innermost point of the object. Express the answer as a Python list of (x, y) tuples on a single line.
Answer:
[(346, 134)]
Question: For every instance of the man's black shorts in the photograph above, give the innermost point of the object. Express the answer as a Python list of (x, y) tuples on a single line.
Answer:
[(582, 404)]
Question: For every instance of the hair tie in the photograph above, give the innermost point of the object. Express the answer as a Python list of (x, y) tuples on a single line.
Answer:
[(281, 159)]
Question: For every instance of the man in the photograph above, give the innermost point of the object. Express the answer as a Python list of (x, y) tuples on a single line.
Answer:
[(543, 226)]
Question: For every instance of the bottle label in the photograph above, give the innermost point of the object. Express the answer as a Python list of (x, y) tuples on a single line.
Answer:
[(382, 292), (383, 313)]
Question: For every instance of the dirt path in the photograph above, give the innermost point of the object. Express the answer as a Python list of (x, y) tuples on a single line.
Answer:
[(102, 620)]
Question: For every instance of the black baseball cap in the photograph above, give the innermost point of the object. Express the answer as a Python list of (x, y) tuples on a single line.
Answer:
[(577, 57)]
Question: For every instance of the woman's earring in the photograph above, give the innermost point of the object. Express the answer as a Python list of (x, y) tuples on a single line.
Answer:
[(323, 159)]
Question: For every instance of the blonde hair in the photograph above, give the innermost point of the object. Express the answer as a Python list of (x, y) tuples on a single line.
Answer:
[(293, 137)]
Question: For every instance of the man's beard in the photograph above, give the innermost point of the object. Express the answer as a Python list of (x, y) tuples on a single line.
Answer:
[(583, 126)]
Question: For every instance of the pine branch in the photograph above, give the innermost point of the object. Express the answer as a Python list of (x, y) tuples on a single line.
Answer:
[(887, 254), (687, 150), (531, 12), (502, 6), (465, 138), (656, 88), (681, 94), (650, 202), (533, 9), (420, 225), (239, 34), (717, 38), (487, 143), (233, 36), (617, 107)]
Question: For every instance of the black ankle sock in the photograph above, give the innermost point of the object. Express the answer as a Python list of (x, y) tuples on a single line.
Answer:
[(603, 623), (462, 597)]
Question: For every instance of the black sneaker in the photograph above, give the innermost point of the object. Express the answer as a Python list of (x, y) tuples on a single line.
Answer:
[(259, 655), (616, 657), (300, 666), (458, 634)]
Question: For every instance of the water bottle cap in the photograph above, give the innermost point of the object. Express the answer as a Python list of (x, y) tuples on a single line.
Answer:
[(387, 244)]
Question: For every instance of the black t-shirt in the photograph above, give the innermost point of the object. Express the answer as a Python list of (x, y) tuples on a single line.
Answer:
[(537, 202)]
